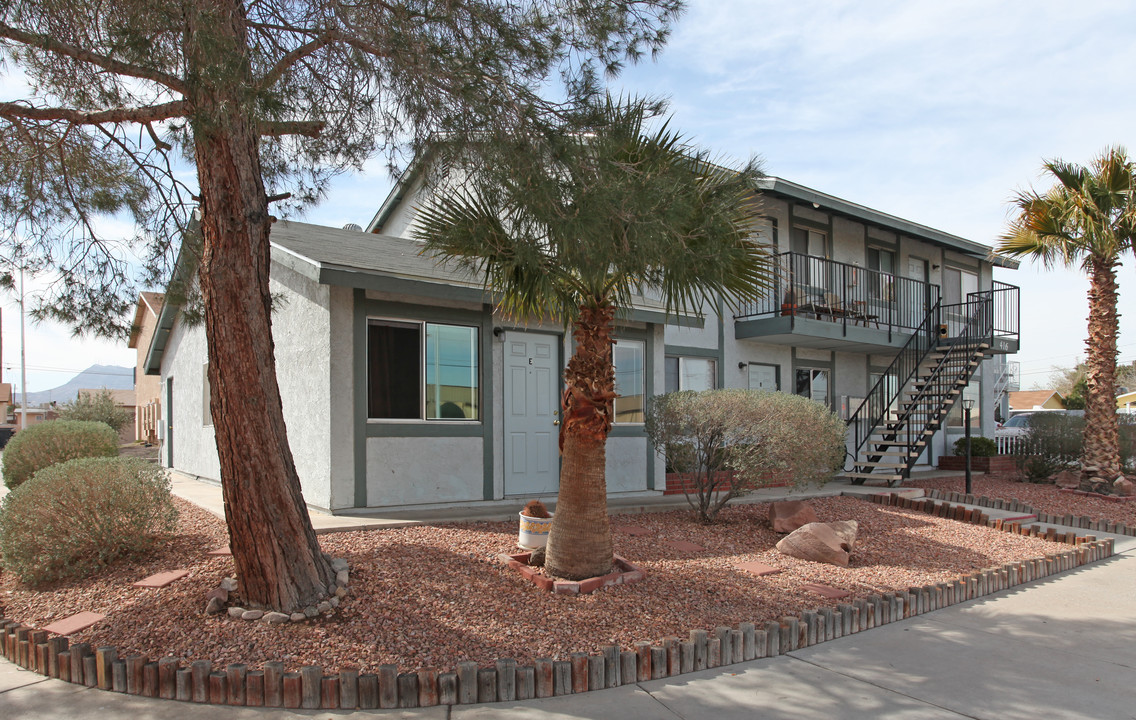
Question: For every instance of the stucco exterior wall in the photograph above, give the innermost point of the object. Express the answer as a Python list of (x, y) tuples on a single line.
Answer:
[(626, 464), (417, 471), (301, 330), (192, 439)]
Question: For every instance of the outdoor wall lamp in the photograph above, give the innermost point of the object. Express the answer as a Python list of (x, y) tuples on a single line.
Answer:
[(499, 333), (742, 365)]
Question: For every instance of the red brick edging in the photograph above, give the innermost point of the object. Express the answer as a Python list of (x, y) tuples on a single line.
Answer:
[(310, 688)]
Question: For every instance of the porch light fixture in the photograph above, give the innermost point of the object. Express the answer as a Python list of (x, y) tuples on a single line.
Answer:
[(742, 365)]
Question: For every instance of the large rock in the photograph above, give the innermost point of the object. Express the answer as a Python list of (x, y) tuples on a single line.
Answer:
[(821, 542), (1124, 486), (846, 530), (787, 516), (1067, 479)]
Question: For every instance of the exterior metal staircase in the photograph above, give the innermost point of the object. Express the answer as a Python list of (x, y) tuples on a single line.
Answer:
[(911, 400)]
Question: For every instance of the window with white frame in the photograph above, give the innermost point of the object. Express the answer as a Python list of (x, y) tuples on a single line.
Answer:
[(422, 371), (813, 383), (629, 358), (882, 280), (690, 373)]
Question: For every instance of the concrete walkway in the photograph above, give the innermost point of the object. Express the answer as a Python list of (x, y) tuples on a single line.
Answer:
[(1061, 647), (207, 495)]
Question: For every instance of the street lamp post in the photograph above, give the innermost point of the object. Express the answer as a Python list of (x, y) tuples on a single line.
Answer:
[(967, 405)]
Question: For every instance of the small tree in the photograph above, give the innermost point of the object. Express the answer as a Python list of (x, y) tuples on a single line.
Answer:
[(727, 442), (97, 407)]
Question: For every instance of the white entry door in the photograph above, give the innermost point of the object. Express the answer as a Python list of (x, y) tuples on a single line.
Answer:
[(532, 414)]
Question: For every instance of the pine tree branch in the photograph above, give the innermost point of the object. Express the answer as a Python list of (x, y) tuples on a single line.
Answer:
[(309, 128), (151, 113), (294, 57), (49, 44)]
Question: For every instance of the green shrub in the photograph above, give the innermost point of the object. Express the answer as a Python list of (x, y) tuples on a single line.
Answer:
[(979, 447), (1052, 443), (73, 518), (98, 406), (729, 441), (48, 443)]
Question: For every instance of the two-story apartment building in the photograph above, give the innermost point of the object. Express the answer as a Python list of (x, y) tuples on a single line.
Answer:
[(403, 386)]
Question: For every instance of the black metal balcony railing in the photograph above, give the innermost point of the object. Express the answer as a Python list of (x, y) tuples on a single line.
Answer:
[(818, 288)]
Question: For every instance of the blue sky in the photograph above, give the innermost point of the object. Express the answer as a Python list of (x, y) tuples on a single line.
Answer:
[(935, 112)]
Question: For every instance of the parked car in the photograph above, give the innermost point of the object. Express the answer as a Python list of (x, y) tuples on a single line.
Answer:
[(1019, 424)]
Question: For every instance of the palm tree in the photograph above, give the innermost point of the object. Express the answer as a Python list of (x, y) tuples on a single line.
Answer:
[(572, 225), (1088, 219)]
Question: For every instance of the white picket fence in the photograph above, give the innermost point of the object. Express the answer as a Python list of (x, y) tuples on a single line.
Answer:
[(1008, 445)]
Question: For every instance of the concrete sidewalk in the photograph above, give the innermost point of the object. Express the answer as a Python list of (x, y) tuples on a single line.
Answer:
[(207, 495), (1060, 647)]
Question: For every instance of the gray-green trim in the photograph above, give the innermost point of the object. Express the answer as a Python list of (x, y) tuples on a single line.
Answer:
[(627, 430), (679, 350), (649, 392), (424, 428), (722, 342), (359, 372), (487, 398)]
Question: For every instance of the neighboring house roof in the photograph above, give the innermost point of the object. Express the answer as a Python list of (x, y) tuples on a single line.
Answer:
[(1123, 401), (126, 398), (148, 302), (1036, 399)]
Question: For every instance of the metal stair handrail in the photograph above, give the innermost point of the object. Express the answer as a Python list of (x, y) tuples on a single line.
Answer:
[(974, 319)]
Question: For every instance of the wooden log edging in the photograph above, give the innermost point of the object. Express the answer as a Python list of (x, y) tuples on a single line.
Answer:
[(505, 680), (1083, 522)]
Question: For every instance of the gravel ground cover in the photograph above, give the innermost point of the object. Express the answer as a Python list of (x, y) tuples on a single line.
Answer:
[(430, 596), (1042, 497)]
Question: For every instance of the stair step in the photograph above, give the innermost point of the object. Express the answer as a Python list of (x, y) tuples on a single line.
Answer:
[(898, 453), (872, 476), (878, 464)]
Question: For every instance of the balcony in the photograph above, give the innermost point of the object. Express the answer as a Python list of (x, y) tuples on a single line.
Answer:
[(824, 304)]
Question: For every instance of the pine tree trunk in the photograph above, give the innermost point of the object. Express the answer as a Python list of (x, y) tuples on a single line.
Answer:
[(579, 545), (1102, 447), (278, 559)]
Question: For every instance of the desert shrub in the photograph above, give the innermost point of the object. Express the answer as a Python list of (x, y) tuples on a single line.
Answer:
[(54, 442), (1052, 443), (75, 517), (979, 447), (727, 442), (96, 407)]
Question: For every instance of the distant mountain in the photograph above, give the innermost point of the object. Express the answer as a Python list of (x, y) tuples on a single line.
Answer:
[(112, 377)]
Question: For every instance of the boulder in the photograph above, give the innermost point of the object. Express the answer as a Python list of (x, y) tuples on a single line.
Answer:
[(1124, 486), (846, 530), (787, 516), (1067, 479), (819, 542), (214, 606)]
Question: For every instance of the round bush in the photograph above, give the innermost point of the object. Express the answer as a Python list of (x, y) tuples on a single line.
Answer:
[(75, 517), (48, 443), (979, 447)]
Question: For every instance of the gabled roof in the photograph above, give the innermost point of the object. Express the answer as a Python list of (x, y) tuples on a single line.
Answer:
[(148, 302), (351, 258), (780, 187)]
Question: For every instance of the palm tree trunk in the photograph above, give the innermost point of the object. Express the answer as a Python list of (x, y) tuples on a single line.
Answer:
[(1102, 447), (579, 545)]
